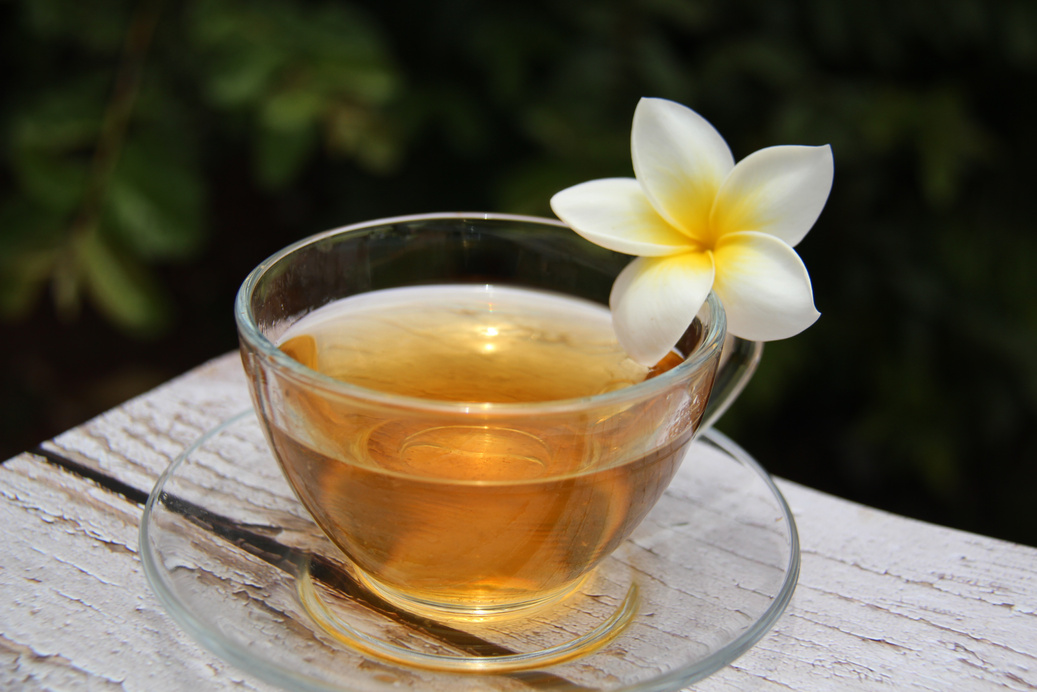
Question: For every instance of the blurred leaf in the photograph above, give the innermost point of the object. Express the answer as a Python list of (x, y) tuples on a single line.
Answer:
[(23, 276), (278, 45), (22, 283), (291, 109), (122, 288), (26, 226), (99, 24), (65, 117), (29, 237), (154, 204), (240, 77), (54, 182), (66, 279), (281, 153), (375, 141), (304, 71)]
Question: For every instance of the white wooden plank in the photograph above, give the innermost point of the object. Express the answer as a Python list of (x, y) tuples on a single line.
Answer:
[(885, 602), (77, 612)]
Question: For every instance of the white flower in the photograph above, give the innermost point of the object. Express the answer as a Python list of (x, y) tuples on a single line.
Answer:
[(699, 222)]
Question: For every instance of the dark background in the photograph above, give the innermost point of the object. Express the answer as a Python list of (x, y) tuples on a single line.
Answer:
[(154, 152)]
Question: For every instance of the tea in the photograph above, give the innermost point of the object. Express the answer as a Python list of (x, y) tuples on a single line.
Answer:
[(495, 507), (467, 343)]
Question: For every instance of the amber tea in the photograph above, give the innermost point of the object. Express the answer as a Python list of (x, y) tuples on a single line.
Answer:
[(497, 510), (446, 397)]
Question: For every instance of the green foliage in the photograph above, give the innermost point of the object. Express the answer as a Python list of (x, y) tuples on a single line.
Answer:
[(109, 134), (142, 136), (302, 79)]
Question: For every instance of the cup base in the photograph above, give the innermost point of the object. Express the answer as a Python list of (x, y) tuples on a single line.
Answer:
[(470, 610), (469, 651)]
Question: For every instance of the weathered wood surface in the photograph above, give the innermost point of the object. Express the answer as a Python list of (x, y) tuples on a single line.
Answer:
[(883, 602)]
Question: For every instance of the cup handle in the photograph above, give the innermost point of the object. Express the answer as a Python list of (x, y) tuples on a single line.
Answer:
[(738, 362)]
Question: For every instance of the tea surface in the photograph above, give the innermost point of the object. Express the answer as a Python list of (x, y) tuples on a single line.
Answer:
[(467, 343)]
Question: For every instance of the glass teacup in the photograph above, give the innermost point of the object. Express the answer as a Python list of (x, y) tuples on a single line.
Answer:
[(453, 506)]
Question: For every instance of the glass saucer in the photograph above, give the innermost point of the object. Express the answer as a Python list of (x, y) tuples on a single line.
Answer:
[(233, 555)]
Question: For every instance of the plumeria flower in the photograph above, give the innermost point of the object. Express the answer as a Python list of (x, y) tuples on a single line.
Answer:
[(699, 222)]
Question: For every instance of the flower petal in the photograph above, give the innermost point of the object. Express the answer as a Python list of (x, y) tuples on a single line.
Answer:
[(615, 214), (680, 161), (764, 287), (778, 190), (655, 299)]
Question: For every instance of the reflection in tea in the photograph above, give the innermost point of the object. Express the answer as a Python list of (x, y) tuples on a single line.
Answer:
[(489, 510)]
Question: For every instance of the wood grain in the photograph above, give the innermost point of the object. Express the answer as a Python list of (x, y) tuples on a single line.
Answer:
[(883, 602), (77, 612)]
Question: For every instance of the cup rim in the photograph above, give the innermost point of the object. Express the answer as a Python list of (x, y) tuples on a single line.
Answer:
[(711, 343)]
